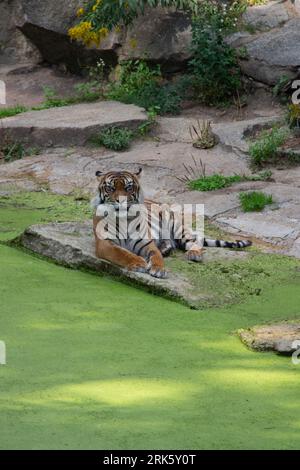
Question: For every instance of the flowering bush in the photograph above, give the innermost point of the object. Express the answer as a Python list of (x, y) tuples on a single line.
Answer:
[(98, 17)]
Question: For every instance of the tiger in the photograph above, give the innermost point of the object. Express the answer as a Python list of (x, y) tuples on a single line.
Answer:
[(143, 254)]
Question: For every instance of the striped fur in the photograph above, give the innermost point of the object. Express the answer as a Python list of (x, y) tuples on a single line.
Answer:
[(144, 254)]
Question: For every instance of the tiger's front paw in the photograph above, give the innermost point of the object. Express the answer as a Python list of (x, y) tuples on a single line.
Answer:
[(195, 255), (139, 266), (158, 271)]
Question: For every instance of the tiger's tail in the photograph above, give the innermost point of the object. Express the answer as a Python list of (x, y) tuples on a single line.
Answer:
[(225, 244)]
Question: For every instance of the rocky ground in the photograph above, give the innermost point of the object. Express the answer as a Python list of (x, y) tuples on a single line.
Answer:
[(66, 166)]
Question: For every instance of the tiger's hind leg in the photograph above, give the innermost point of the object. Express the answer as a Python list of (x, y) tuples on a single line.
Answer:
[(193, 247), (194, 252)]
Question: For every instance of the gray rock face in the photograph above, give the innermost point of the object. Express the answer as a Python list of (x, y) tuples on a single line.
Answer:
[(274, 54), (160, 36), (42, 27), (14, 45), (267, 16), (163, 36), (71, 124), (280, 337)]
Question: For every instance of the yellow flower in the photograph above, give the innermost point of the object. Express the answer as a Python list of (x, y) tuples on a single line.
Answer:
[(80, 12), (103, 32), (133, 43), (117, 29), (96, 5)]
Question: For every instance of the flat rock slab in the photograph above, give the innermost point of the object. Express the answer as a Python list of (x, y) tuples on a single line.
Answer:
[(281, 337), (70, 125), (72, 244)]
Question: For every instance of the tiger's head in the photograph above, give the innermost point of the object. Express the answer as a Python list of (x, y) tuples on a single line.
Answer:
[(117, 187)]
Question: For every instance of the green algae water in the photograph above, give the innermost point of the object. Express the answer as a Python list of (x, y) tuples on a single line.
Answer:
[(95, 364)]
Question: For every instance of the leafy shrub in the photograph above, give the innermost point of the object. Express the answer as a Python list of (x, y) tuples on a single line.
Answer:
[(141, 85), (114, 138), (254, 201), (214, 66), (265, 149)]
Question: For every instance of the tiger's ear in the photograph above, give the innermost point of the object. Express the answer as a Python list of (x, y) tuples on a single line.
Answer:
[(138, 173), (98, 174)]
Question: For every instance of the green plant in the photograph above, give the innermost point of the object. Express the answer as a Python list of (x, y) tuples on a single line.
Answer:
[(98, 17), (9, 112), (214, 182), (254, 201), (142, 85), (84, 92), (52, 100), (196, 179), (202, 135), (214, 66), (13, 151), (114, 138), (88, 92), (265, 148), (281, 88)]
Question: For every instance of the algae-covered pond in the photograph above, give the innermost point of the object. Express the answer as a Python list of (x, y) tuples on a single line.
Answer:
[(95, 364)]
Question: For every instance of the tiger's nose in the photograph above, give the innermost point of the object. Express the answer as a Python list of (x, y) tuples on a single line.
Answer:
[(122, 199)]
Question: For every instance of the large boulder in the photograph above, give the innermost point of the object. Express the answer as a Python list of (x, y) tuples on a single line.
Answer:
[(270, 42), (14, 46), (162, 36), (269, 15), (46, 24), (273, 54)]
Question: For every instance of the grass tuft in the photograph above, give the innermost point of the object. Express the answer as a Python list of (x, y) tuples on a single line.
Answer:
[(9, 112), (254, 201), (265, 148), (217, 181)]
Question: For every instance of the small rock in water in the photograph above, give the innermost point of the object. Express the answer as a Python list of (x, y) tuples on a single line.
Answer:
[(280, 337)]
